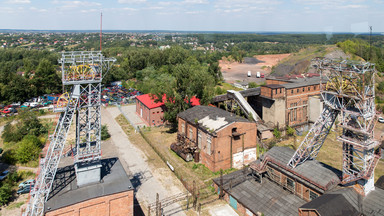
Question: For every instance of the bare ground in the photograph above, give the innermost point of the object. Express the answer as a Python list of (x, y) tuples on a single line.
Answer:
[(234, 71)]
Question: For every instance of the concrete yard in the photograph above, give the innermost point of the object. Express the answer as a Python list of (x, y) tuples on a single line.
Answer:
[(145, 179)]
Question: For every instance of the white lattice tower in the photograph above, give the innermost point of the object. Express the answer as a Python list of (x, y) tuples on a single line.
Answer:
[(348, 89), (82, 73)]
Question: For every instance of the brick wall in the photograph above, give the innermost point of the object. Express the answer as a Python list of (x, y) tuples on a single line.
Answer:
[(151, 117), (115, 204), (222, 149), (308, 213), (297, 104), (301, 190), (219, 153)]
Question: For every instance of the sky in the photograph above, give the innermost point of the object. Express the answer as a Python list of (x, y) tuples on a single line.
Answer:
[(353, 16)]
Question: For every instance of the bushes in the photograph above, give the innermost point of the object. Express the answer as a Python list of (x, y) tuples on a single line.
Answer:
[(28, 149), (23, 141), (276, 133), (104, 132)]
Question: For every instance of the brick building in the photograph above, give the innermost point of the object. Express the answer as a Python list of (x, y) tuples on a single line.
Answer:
[(285, 100), (113, 195), (152, 112), (270, 187), (216, 138)]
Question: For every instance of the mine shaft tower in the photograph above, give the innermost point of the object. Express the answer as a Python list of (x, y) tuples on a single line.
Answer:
[(348, 90), (82, 74)]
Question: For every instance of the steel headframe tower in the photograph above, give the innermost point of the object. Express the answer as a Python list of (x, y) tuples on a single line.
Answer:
[(82, 72), (348, 89)]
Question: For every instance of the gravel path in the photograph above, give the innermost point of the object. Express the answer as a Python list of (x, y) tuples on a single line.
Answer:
[(147, 182)]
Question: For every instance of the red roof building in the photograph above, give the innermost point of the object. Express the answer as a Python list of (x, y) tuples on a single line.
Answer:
[(152, 112)]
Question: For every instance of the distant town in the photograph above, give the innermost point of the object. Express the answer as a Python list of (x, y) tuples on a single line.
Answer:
[(191, 123)]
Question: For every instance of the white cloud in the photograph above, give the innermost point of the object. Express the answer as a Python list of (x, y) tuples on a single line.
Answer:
[(38, 10), (233, 6), (131, 1), (185, 2), (18, 1), (193, 12)]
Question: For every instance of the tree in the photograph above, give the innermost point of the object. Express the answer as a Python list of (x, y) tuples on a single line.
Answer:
[(104, 132), (28, 149), (190, 79), (5, 193), (46, 79)]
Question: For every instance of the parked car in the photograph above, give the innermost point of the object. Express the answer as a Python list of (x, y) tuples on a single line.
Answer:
[(26, 104), (257, 74), (34, 104), (262, 75), (4, 174), (25, 189), (16, 104), (27, 183), (381, 119)]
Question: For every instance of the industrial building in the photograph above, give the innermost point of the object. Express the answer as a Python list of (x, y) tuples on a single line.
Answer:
[(292, 100), (347, 88), (216, 138), (151, 112), (271, 187), (113, 195)]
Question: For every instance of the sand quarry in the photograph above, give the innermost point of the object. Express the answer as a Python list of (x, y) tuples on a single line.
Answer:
[(238, 72)]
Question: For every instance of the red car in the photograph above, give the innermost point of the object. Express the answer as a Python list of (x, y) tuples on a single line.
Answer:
[(261, 75)]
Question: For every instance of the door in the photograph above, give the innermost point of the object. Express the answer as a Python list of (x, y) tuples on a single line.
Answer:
[(233, 202)]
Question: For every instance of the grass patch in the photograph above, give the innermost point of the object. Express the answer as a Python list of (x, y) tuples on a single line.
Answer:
[(331, 152), (15, 205)]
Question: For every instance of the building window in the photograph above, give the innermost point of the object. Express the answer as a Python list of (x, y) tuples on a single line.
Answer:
[(309, 88), (291, 91), (314, 87), (199, 139), (303, 89), (275, 91), (280, 91), (190, 133), (183, 127), (209, 142), (312, 195), (290, 185), (297, 90)]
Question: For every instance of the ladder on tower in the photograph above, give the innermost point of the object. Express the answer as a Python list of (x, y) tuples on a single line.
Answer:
[(44, 181)]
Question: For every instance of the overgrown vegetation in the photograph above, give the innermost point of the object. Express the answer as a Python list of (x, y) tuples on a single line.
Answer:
[(104, 132), (40, 77), (23, 139)]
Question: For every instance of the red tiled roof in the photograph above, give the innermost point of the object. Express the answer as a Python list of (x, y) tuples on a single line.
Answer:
[(147, 100)]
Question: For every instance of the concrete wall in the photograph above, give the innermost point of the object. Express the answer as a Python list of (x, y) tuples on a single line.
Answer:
[(274, 111), (115, 204), (315, 107)]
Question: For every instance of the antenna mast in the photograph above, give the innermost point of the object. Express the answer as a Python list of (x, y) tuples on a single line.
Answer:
[(101, 27)]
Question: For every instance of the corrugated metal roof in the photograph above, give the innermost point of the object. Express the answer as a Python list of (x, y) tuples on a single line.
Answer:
[(222, 117), (318, 173)]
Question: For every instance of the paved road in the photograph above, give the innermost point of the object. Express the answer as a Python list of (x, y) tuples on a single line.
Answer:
[(146, 180)]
